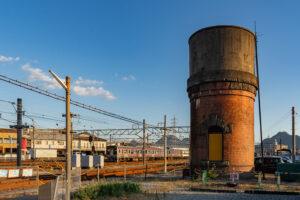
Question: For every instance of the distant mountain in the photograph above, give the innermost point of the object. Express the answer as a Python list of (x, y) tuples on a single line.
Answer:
[(185, 142), (173, 141), (134, 143), (286, 139)]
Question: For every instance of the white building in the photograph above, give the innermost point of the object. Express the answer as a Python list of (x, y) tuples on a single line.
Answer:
[(56, 139)]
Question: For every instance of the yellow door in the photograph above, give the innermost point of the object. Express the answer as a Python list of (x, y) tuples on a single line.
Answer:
[(215, 146)]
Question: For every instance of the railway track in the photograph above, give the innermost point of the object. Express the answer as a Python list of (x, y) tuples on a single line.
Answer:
[(23, 183), (49, 164), (130, 170), (42, 164)]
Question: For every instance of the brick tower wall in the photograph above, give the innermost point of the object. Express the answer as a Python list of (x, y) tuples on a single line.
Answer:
[(222, 88)]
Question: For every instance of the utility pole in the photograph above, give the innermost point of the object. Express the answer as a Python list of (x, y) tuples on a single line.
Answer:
[(33, 141), (165, 144), (10, 146), (110, 138), (19, 128), (71, 133), (71, 128), (68, 139), (280, 146), (66, 86), (174, 121), (19, 132), (147, 139), (259, 104), (144, 135), (293, 135)]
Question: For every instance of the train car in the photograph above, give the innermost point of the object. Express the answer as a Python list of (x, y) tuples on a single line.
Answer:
[(185, 152), (129, 153)]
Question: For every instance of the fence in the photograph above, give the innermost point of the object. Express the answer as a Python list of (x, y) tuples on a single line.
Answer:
[(61, 183), (13, 178)]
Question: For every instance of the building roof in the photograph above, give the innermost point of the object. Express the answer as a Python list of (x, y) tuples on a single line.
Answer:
[(59, 134), (86, 135), (8, 130)]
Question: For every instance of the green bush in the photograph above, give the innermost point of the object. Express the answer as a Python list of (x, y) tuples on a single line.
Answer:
[(212, 175), (109, 189)]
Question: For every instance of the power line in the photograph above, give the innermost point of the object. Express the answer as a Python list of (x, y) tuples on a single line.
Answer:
[(10, 102), (1, 118), (33, 116), (60, 98), (279, 121)]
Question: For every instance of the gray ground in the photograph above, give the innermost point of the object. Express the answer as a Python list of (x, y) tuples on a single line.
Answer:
[(226, 196), (184, 195), (167, 187)]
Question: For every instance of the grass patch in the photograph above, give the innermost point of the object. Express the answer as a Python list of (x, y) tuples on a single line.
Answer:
[(115, 189)]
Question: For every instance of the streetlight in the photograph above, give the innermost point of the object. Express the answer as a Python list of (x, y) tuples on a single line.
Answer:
[(66, 86)]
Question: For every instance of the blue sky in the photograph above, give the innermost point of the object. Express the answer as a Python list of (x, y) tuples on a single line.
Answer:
[(133, 56)]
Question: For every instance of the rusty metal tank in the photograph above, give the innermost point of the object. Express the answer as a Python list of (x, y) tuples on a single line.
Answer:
[(222, 88)]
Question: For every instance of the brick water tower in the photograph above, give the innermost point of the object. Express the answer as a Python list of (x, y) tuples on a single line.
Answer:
[(222, 88)]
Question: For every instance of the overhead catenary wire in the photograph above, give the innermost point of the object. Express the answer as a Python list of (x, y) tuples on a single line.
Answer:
[(280, 120), (8, 120), (60, 98), (38, 90), (76, 103), (46, 117)]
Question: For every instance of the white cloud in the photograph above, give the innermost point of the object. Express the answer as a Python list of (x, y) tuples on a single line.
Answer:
[(81, 81), (93, 91), (129, 77), (37, 75), (8, 59)]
